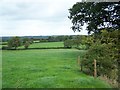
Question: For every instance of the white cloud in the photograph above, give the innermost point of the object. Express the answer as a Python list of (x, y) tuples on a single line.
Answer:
[(35, 17)]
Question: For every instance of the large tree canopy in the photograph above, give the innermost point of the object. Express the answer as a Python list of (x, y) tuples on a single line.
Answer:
[(14, 42), (97, 16)]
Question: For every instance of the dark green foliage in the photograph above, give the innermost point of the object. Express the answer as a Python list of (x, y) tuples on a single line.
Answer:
[(102, 18), (4, 47), (14, 42), (26, 42), (98, 15), (31, 40), (87, 40), (105, 51), (59, 38), (77, 40), (3, 43), (68, 43), (43, 40)]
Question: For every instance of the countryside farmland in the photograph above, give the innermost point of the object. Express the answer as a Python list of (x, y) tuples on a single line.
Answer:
[(45, 45), (39, 51), (49, 68)]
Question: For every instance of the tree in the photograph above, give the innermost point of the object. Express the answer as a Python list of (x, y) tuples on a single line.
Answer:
[(51, 38), (31, 40), (102, 18), (14, 42), (106, 51), (68, 43), (97, 16), (66, 38), (26, 42), (77, 40)]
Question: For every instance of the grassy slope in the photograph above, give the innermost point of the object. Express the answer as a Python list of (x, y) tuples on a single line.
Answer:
[(46, 69)]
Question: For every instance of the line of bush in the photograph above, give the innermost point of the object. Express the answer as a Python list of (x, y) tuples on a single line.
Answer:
[(6, 48)]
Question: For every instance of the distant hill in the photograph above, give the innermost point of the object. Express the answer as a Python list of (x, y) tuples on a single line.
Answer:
[(6, 38)]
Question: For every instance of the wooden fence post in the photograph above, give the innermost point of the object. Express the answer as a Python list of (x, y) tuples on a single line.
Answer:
[(78, 60), (95, 71), (79, 63)]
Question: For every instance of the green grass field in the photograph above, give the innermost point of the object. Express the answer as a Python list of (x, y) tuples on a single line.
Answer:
[(47, 45), (44, 45), (49, 68), (3, 44), (0, 46), (0, 69)]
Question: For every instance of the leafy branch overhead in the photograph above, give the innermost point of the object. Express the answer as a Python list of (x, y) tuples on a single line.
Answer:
[(97, 16)]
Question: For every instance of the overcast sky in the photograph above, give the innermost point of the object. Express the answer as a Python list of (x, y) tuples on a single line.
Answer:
[(36, 17)]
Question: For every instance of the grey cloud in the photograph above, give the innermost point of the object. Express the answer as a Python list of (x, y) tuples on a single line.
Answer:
[(22, 11), (18, 16)]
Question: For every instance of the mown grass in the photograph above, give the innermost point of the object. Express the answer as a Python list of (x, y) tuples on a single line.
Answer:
[(45, 69)]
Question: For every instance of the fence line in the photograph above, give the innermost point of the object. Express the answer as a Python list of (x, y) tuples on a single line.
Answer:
[(81, 66)]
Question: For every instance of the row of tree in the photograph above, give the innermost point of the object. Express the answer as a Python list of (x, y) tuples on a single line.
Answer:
[(69, 41), (60, 38), (53, 38), (75, 41), (105, 50), (15, 42), (79, 40), (102, 19)]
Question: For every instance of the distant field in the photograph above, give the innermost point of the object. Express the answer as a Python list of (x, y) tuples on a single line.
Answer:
[(47, 44), (3, 44), (50, 68), (0, 46), (39, 45)]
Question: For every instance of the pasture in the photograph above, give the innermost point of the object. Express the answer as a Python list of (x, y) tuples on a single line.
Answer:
[(0, 69), (47, 45), (49, 68), (44, 45), (3, 44)]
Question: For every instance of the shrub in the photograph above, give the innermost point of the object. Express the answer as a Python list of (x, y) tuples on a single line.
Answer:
[(105, 51)]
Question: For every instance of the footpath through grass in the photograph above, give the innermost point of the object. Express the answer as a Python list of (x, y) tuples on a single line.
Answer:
[(45, 69)]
